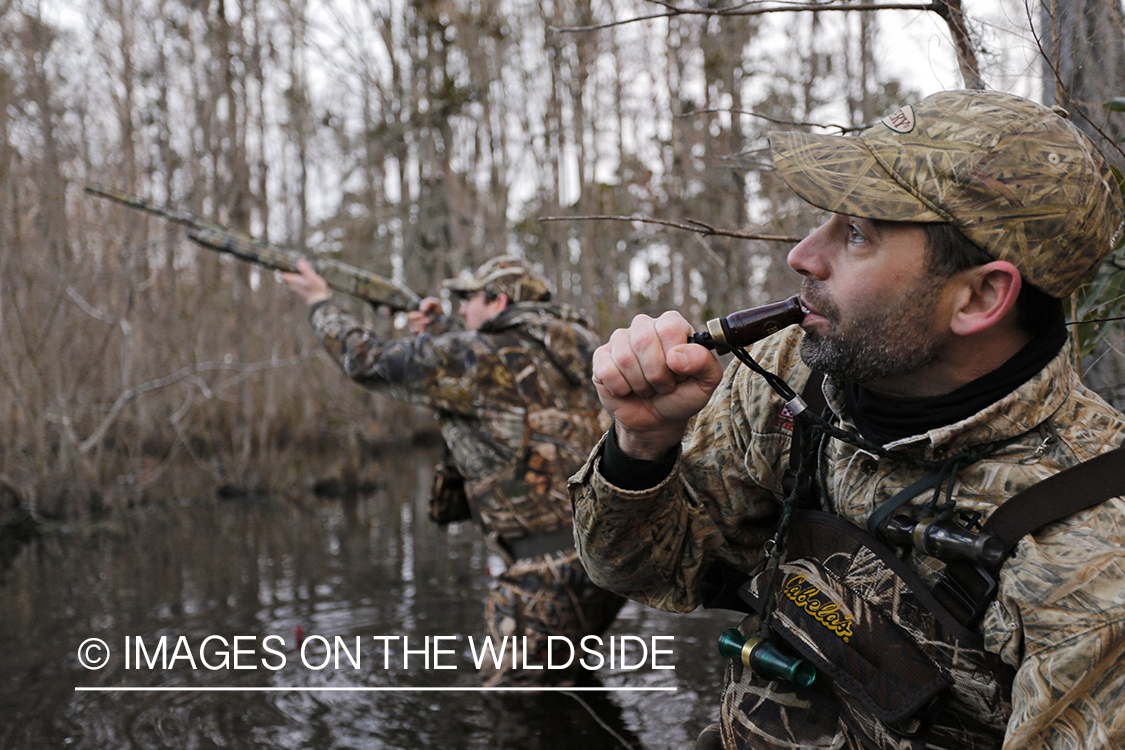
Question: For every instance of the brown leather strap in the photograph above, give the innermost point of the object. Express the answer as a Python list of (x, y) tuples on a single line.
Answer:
[(1071, 490), (967, 589)]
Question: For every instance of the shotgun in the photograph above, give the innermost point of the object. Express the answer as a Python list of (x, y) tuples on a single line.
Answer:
[(340, 276)]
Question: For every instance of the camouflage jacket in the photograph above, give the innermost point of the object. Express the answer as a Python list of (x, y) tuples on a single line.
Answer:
[(514, 399), (1059, 618)]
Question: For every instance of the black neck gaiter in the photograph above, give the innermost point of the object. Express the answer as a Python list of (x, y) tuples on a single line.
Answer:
[(883, 420)]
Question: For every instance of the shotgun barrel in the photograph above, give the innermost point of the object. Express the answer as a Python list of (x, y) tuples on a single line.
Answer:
[(341, 277)]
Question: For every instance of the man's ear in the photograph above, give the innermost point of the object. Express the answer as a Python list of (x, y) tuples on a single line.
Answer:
[(503, 299), (983, 297)]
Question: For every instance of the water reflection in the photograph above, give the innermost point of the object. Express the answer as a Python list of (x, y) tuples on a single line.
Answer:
[(370, 567)]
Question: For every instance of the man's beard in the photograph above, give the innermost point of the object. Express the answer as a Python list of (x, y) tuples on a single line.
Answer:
[(873, 343)]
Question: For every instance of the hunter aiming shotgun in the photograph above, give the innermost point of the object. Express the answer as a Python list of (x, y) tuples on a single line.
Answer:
[(340, 276)]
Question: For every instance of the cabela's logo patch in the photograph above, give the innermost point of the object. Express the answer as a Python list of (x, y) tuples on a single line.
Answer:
[(901, 121), (825, 611)]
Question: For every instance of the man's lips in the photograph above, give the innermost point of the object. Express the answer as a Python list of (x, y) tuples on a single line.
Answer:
[(811, 315)]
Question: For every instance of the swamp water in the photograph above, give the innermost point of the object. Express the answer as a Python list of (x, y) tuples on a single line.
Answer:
[(229, 586)]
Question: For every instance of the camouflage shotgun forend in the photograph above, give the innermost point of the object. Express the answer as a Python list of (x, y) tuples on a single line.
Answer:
[(341, 277)]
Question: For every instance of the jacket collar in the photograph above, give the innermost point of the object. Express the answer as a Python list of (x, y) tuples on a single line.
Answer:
[(1020, 411)]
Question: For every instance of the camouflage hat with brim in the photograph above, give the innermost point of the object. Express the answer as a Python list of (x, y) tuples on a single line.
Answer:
[(1018, 179), (505, 274)]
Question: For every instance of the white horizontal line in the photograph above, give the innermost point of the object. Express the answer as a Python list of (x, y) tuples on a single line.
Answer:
[(371, 689)]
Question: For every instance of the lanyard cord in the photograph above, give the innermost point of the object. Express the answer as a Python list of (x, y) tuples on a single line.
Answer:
[(815, 432), (823, 428)]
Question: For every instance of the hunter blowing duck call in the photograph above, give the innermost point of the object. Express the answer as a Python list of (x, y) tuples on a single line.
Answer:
[(747, 326)]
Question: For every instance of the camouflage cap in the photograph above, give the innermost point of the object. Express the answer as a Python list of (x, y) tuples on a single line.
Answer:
[(1018, 179), (505, 274)]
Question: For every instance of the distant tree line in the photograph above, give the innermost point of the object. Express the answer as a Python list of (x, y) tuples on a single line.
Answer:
[(413, 138)]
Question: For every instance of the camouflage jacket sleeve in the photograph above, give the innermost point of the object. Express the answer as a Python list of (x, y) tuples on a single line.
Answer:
[(1067, 628), (636, 543), (719, 503), (435, 370)]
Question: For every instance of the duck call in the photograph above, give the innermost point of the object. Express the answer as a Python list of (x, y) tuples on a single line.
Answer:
[(747, 326), (765, 658)]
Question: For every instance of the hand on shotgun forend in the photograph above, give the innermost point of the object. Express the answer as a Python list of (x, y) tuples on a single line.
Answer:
[(306, 283), (418, 320)]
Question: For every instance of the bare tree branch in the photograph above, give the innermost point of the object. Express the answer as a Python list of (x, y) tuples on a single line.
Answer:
[(775, 120), (85, 446), (691, 226), (951, 11), (953, 14), (1064, 91), (110, 320), (742, 10)]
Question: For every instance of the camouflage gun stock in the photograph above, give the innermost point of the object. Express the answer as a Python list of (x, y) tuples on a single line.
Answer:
[(339, 276)]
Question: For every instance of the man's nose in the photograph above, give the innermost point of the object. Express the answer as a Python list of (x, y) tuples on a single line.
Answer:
[(808, 256)]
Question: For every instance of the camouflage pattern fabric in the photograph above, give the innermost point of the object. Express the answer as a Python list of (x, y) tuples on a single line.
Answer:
[(519, 415), (895, 665), (505, 274), (1059, 617), (1019, 179), (538, 597)]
